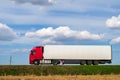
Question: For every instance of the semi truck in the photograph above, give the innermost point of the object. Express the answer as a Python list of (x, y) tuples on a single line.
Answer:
[(71, 54)]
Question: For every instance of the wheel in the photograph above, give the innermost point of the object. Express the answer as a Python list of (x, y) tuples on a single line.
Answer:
[(89, 62), (36, 62), (82, 62), (102, 62), (55, 62), (95, 62)]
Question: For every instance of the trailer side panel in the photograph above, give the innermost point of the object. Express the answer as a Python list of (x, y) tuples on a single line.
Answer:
[(87, 52)]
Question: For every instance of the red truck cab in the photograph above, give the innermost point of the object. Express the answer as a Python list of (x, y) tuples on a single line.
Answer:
[(36, 55)]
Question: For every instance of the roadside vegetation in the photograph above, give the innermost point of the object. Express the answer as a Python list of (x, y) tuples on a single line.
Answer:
[(25, 70)]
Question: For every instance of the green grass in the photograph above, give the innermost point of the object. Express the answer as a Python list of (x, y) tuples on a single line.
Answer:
[(59, 70)]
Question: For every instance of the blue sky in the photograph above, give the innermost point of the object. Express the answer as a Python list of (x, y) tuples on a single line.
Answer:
[(28, 23)]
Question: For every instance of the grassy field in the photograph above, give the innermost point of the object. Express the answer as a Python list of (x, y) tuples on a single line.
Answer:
[(61, 77), (58, 70)]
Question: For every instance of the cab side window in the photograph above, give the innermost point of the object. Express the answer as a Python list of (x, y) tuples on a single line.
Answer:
[(33, 52)]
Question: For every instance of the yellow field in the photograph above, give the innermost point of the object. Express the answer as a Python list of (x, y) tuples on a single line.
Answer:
[(58, 77)]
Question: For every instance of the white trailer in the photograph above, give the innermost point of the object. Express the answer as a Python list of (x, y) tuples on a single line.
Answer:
[(82, 54), (71, 54)]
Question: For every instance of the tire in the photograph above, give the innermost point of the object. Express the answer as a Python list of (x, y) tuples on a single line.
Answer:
[(89, 62), (102, 62), (95, 62), (36, 62), (82, 62), (55, 62)]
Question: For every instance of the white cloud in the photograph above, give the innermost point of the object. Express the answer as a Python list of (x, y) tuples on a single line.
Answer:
[(50, 41), (35, 2), (113, 22), (16, 51), (62, 34), (49, 35), (115, 40), (6, 33), (26, 40)]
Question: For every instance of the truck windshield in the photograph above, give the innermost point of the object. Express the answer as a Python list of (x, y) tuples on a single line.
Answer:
[(33, 52)]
